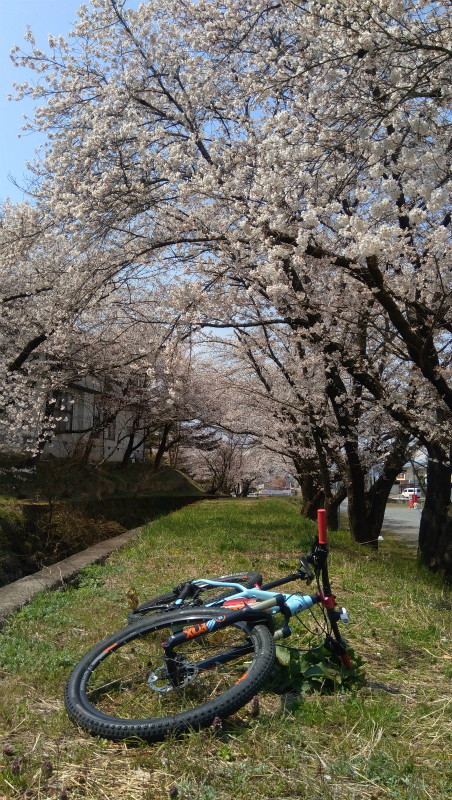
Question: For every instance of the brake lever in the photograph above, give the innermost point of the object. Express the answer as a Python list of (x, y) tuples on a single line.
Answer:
[(308, 571), (317, 555)]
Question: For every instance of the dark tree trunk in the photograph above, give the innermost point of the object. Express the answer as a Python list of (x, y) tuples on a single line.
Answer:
[(215, 485), (131, 444), (354, 476), (162, 446), (357, 509), (315, 496), (307, 487), (332, 499), (95, 434), (435, 533), (245, 488), (128, 451), (312, 496), (366, 509), (331, 507), (310, 507), (376, 501)]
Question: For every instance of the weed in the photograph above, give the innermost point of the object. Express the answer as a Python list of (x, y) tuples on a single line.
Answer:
[(315, 670)]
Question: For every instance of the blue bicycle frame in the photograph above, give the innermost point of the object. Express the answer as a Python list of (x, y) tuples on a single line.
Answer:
[(295, 602), (272, 602)]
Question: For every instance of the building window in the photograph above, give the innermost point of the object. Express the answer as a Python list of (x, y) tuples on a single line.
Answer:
[(97, 422), (401, 476), (110, 431)]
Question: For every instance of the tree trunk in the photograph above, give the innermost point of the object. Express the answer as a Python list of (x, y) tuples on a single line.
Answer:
[(313, 498), (331, 507), (354, 476), (366, 509), (162, 446), (95, 434), (332, 499), (307, 487), (128, 451), (357, 512), (435, 533), (376, 501), (215, 485), (310, 507), (246, 484)]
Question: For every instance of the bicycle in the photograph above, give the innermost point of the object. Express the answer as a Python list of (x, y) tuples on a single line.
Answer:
[(181, 667)]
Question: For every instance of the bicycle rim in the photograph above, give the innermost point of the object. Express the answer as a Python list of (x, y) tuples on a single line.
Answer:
[(123, 686)]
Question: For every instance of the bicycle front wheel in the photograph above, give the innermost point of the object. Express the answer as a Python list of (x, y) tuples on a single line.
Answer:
[(124, 687)]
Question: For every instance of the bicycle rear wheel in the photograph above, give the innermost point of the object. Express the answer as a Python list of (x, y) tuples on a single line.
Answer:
[(124, 687), (209, 594)]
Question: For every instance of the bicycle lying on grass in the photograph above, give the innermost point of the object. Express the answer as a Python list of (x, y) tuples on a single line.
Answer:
[(188, 658)]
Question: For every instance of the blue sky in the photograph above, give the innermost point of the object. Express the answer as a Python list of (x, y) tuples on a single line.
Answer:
[(44, 17)]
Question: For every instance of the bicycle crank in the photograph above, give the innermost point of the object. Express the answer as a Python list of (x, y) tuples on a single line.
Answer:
[(168, 686)]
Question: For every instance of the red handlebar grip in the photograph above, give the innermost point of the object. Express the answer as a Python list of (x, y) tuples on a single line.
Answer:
[(321, 517), (346, 661)]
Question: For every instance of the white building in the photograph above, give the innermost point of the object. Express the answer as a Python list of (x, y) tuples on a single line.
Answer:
[(79, 421)]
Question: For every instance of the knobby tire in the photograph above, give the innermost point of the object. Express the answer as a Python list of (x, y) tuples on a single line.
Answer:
[(112, 692)]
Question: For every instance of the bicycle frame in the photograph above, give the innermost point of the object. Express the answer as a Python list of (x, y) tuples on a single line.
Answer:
[(294, 602), (239, 610)]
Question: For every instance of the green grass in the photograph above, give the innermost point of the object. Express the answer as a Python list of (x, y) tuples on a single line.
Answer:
[(391, 739)]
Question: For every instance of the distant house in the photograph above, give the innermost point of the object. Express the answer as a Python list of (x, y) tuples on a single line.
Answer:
[(410, 477), (277, 484), (76, 413)]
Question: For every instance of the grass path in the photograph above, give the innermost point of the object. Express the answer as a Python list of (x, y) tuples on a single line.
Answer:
[(391, 739)]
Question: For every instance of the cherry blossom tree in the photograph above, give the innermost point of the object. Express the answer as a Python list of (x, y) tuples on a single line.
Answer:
[(69, 315), (335, 434), (221, 466), (297, 155), (358, 125)]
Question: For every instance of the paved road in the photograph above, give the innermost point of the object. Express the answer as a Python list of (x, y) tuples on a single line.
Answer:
[(401, 521)]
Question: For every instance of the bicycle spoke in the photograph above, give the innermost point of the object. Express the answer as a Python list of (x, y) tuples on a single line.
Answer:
[(134, 681)]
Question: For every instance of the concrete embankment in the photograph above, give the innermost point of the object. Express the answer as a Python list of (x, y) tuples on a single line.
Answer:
[(18, 594)]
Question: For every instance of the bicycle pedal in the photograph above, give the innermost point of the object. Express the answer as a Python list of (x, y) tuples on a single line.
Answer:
[(132, 597)]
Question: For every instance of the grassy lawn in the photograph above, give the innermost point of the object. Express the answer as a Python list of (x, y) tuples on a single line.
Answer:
[(391, 739)]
